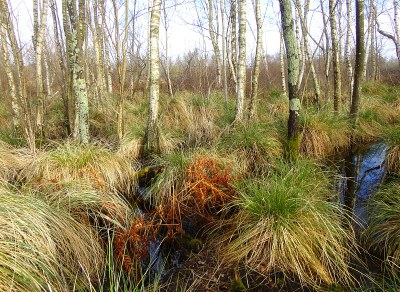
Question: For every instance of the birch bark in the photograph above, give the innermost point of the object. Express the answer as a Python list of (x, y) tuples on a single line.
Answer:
[(241, 71), (292, 56), (152, 135)]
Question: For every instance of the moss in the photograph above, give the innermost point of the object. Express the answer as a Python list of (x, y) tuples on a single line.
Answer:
[(190, 243), (293, 148)]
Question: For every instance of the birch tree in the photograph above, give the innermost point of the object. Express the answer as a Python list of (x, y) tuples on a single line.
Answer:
[(349, 67), (121, 62), (257, 59), (76, 18), (152, 135), (304, 27), (5, 55), (233, 58), (167, 61), (293, 75), (374, 67), (395, 36), (7, 32), (225, 53), (214, 37), (327, 49), (337, 85), (359, 58), (282, 64), (97, 34), (367, 43), (38, 41), (241, 71)]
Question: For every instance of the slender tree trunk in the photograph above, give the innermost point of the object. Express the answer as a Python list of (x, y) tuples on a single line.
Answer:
[(282, 65), (63, 61), (105, 43), (367, 44), (359, 59), (374, 71), (38, 42), (29, 132), (397, 27), (300, 50), (337, 84), (78, 30), (233, 39), (15, 107), (97, 39), (214, 39), (293, 75), (152, 135), (327, 51), (257, 59), (241, 71), (349, 66), (304, 26), (121, 60), (167, 65), (224, 51)]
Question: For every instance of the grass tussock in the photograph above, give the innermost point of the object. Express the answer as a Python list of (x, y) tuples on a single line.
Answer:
[(12, 160), (375, 116), (256, 145), (323, 133), (192, 185), (383, 232), (392, 138), (285, 224), (43, 247), (70, 162)]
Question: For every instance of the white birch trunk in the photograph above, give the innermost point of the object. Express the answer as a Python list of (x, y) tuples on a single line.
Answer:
[(151, 143), (337, 85), (16, 111), (224, 51), (349, 67), (241, 71), (20, 80), (282, 66), (38, 45), (214, 39), (257, 60)]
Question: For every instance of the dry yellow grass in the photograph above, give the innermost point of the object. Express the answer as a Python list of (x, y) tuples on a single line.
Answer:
[(323, 134), (393, 160), (69, 162), (43, 247), (12, 160)]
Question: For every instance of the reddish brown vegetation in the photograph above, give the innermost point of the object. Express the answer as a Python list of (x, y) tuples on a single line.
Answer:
[(209, 187), (131, 246)]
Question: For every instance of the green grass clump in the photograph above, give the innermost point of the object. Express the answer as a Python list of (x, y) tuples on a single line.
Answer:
[(383, 232), (285, 224), (374, 117), (43, 247), (256, 145), (73, 162)]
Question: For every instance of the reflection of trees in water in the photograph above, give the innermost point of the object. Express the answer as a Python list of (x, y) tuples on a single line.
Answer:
[(364, 170)]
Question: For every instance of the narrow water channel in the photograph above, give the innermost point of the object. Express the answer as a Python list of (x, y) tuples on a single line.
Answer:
[(359, 178)]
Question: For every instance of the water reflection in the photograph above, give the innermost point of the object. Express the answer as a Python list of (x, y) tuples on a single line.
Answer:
[(360, 176)]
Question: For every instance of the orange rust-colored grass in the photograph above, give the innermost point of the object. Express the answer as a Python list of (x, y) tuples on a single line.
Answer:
[(206, 189), (131, 246), (209, 186)]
